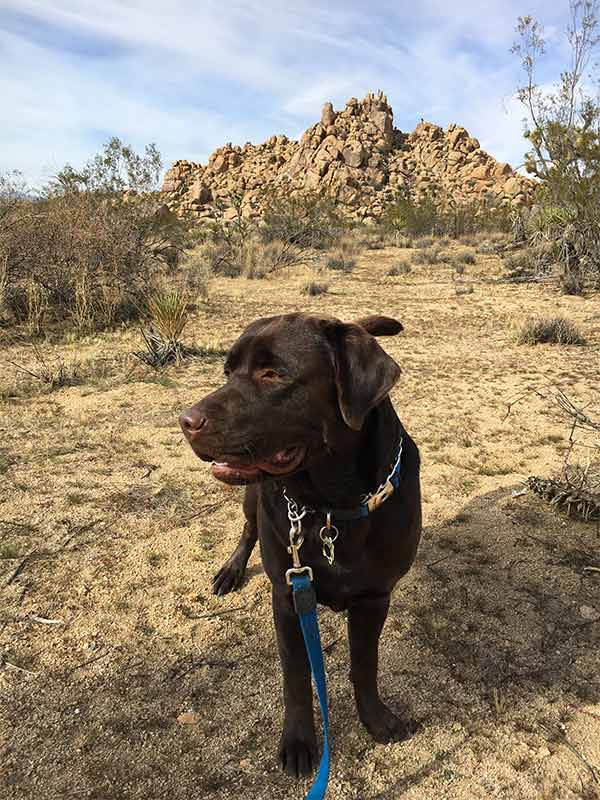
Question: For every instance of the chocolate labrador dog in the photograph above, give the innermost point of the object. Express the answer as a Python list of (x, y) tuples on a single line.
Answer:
[(305, 414)]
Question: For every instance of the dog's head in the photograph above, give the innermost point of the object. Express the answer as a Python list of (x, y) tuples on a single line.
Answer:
[(297, 386)]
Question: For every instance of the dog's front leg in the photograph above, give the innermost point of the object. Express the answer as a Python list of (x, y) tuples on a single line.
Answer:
[(298, 745), (366, 617)]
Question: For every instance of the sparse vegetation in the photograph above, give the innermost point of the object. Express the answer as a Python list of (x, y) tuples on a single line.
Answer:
[(313, 289), (429, 256), (550, 330), (463, 289), (401, 268), (464, 258), (436, 213), (563, 131), (167, 318), (50, 372), (91, 247), (343, 257), (292, 230)]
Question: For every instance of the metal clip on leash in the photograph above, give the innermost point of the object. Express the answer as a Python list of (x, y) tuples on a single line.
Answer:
[(295, 516)]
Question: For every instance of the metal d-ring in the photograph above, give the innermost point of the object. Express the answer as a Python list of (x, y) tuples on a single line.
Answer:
[(328, 535)]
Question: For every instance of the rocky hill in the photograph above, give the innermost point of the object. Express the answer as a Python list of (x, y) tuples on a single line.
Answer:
[(355, 156)]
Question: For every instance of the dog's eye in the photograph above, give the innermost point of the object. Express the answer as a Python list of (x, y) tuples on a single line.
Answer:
[(268, 375)]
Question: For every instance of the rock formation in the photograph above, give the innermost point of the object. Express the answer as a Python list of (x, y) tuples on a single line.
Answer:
[(355, 156)]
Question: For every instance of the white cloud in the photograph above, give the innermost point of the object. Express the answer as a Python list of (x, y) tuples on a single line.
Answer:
[(192, 75)]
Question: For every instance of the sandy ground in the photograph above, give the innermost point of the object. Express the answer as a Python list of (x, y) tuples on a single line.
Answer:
[(147, 686)]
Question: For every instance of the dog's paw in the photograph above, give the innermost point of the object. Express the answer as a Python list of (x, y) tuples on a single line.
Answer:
[(229, 577), (298, 754), (384, 726)]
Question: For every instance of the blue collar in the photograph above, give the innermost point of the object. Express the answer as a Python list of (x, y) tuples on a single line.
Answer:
[(369, 503)]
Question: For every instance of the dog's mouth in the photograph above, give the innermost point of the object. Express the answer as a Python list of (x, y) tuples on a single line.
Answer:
[(283, 462)]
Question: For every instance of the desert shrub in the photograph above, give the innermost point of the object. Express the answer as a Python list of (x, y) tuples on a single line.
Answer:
[(292, 230), (424, 242), (343, 257), (313, 289), (376, 237), (197, 273), (464, 258), (575, 486), (167, 316), (530, 262), (548, 330), (438, 214), (340, 263), (401, 268), (87, 251), (51, 372), (430, 256), (307, 221), (563, 133)]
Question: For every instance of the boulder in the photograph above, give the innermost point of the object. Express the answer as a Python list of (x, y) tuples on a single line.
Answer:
[(512, 187), (353, 154), (200, 194), (328, 115)]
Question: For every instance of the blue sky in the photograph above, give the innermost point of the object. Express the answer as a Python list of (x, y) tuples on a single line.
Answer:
[(193, 75)]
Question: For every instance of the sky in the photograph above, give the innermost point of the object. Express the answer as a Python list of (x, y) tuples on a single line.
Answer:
[(191, 75)]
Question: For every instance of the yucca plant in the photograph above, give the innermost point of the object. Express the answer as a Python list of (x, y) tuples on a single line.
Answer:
[(168, 316), (168, 312)]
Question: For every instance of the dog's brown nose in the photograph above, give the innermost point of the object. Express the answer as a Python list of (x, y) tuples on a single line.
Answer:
[(192, 421)]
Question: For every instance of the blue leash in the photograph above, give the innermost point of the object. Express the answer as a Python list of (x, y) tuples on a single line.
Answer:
[(305, 603), (305, 599)]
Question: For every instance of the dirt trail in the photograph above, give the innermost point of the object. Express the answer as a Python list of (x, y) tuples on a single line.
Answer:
[(110, 528)]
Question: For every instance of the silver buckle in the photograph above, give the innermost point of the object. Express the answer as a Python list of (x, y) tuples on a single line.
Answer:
[(297, 571)]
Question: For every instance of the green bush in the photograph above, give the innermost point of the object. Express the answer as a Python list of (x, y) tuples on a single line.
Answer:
[(437, 214), (563, 133)]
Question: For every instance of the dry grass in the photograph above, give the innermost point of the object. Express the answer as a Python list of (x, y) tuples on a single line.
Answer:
[(314, 289), (400, 268), (548, 330), (122, 527), (343, 257)]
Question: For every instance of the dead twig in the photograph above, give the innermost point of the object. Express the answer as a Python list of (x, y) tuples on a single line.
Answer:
[(73, 532), (208, 509), (175, 674), (45, 620), (438, 560), (594, 770), (89, 661), (14, 524), (210, 614), (329, 647), (8, 663), (21, 566)]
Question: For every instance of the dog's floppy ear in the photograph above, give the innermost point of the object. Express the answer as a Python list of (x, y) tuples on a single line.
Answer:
[(364, 373), (377, 325)]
